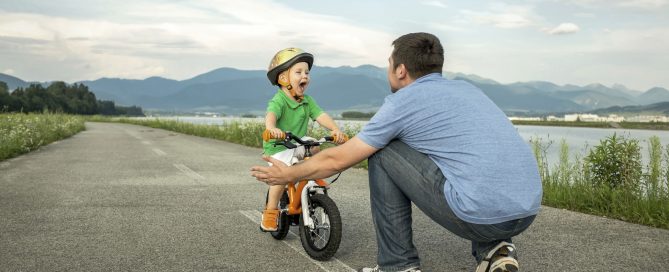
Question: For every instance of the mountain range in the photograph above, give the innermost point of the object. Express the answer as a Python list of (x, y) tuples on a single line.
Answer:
[(338, 89)]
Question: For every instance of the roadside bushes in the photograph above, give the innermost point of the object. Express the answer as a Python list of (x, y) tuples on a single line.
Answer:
[(610, 181), (616, 163), (21, 133)]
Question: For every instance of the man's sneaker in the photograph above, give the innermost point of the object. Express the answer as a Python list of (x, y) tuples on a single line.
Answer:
[(502, 258), (377, 269), (269, 221)]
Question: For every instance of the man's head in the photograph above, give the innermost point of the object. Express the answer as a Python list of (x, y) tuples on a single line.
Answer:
[(414, 55)]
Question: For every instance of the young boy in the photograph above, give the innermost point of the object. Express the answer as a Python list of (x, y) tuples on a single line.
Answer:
[(289, 110)]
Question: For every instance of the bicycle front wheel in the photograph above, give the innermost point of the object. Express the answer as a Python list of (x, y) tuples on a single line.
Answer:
[(322, 241)]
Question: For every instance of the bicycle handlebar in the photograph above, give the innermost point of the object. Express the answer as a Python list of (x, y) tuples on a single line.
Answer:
[(286, 137)]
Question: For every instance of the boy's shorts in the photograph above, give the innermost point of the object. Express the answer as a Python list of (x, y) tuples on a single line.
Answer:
[(291, 156)]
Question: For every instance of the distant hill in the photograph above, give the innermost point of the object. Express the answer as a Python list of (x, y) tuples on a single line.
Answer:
[(346, 88), (13, 82), (661, 108), (654, 95)]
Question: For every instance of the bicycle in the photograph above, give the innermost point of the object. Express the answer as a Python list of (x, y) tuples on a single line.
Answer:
[(306, 204)]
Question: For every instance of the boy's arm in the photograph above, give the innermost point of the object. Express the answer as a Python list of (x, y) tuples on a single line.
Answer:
[(270, 124), (326, 121)]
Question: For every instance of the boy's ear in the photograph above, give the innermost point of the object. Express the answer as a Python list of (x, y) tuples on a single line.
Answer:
[(283, 79)]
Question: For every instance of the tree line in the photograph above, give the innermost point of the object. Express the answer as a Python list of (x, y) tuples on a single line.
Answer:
[(61, 98), (357, 115)]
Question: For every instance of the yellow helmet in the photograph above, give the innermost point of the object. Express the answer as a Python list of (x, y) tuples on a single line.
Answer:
[(284, 59)]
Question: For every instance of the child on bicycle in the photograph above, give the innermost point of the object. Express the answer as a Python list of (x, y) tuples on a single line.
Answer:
[(290, 110)]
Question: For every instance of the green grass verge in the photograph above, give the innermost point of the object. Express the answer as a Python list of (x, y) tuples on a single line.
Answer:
[(21, 133)]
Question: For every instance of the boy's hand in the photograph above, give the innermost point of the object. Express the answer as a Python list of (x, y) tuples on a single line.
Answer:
[(340, 136), (275, 132)]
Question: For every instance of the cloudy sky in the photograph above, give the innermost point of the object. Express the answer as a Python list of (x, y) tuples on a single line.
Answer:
[(565, 42)]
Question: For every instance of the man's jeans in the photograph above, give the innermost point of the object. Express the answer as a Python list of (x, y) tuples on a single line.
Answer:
[(399, 175)]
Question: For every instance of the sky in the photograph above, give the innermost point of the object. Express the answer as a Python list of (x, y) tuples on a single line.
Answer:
[(565, 42)]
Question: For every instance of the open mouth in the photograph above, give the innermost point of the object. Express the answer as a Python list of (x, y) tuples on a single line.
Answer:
[(303, 85)]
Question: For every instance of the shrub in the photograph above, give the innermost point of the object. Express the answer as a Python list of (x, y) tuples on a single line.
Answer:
[(616, 163)]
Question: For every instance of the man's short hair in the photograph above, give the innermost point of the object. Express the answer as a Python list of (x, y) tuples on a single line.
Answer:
[(421, 53)]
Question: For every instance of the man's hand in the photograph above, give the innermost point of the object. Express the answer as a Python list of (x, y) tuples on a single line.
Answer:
[(272, 175)]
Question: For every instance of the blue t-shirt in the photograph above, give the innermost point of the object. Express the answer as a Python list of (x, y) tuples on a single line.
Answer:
[(491, 173)]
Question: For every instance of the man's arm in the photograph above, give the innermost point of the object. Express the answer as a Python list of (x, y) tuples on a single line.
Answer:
[(324, 164)]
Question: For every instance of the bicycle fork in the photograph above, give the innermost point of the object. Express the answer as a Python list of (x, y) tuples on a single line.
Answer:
[(311, 187)]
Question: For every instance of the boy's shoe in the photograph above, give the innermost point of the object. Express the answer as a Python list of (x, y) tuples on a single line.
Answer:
[(377, 269), (269, 221), (502, 258)]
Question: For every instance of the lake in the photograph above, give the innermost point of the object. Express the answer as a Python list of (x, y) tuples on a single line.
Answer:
[(579, 139)]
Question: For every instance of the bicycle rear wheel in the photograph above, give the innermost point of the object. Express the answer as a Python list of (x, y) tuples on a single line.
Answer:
[(322, 241), (284, 225)]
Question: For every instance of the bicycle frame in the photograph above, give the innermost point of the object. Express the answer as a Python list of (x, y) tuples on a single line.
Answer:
[(307, 204), (298, 191)]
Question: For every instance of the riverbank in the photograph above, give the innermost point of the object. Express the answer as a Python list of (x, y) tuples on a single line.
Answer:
[(623, 125)]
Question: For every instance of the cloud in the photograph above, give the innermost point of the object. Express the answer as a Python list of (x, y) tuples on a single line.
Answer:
[(645, 4), (642, 4), (562, 29), (181, 40), (8, 71), (502, 16), (435, 3)]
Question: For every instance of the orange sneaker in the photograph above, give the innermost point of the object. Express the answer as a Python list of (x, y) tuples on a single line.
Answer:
[(270, 220)]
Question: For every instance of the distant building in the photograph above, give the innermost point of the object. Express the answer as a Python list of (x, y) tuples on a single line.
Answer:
[(513, 118), (648, 118), (592, 118), (554, 118)]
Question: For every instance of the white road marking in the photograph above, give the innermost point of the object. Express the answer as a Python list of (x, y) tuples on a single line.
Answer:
[(146, 142), (332, 265), (188, 171), (159, 152)]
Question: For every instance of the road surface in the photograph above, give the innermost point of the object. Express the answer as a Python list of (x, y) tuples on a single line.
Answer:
[(120, 197)]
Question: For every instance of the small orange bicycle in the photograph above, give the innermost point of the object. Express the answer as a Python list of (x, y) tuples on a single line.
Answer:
[(306, 204)]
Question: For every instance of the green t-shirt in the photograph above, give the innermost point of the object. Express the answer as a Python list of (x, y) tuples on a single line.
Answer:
[(290, 116)]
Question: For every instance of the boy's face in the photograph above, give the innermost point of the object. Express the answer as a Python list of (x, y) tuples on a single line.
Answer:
[(299, 77)]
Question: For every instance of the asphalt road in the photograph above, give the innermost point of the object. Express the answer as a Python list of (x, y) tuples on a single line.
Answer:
[(120, 197)]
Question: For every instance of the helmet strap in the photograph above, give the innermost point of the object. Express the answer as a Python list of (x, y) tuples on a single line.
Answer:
[(286, 83)]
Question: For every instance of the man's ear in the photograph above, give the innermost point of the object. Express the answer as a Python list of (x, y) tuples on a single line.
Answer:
[(401, 71)]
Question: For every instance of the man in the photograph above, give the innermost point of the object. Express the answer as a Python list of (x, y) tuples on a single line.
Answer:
[(443, 145)]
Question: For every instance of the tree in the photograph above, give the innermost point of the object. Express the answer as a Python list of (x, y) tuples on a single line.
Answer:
[(6, 100), (60, 97)]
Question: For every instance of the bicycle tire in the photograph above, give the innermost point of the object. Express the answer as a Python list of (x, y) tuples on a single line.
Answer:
[(284, 226), (325, 214)]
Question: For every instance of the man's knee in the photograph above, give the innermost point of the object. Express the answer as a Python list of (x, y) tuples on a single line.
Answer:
[(376, 158)]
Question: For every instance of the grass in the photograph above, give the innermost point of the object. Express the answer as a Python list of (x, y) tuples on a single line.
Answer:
[(21, 133), (591, 185)]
